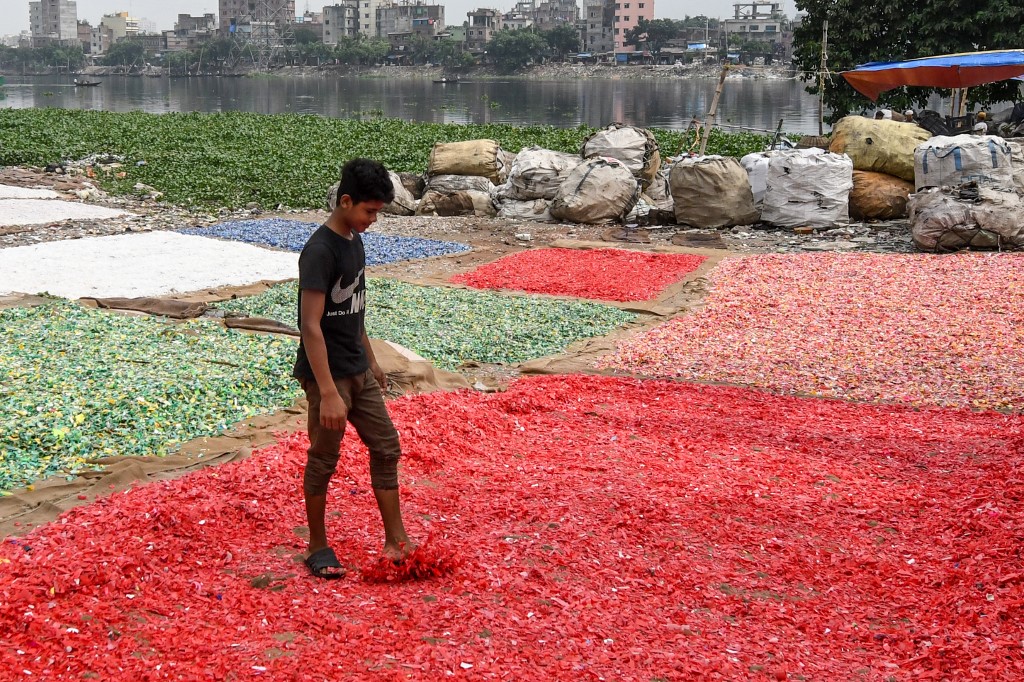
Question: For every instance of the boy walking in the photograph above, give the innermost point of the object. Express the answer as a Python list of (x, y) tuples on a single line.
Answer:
[(336, 366)]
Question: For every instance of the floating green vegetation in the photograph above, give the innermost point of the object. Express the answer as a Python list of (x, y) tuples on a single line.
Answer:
[(234, 158)]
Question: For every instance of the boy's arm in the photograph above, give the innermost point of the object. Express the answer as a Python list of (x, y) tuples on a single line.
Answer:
[(378, 373), (333, 411)]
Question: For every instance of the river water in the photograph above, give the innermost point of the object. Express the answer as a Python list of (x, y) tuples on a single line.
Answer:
[(755, 103)]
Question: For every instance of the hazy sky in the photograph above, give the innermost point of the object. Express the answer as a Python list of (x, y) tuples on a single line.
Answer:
[(14, 17)]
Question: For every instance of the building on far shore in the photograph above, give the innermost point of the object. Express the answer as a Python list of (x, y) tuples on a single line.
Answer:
[(606, 23), (481, 27), (53, 21), (341, 20)]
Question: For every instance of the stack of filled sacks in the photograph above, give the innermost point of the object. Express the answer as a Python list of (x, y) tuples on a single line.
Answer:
[(970, 194), (882, 152), (601, 184), (461, 178)]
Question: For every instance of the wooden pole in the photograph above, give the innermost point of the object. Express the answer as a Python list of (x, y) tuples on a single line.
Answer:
[(821, 79), (713, 110), (963, 102)]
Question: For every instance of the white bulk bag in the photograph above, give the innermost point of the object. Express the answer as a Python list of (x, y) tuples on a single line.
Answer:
[(807, 187), (756, 165), (537, 173), (949, 161)]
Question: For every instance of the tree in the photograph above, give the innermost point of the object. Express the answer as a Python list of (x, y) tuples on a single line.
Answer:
[(902, 29), (563, 40), (652, 34), (512, 50), (305, 36), (125, 53)]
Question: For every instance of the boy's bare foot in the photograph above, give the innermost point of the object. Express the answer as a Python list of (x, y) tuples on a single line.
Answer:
[(399, 551)]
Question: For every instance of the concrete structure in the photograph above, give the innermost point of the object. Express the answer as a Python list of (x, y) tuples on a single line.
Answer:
[(606, 23), (120, 26), (554, 13), (760, 22), (406, 17), (190, 31), (85, 36), (368, 17), (53, 21), (481, 27), (259, 19), (100, 39), (341, 21)]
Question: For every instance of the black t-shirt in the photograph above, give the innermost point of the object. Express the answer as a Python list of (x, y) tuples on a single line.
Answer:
[(336, 266)]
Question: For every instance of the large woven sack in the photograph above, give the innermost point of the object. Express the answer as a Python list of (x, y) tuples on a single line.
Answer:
[(596, 191), (807, 188), (449, 184), (966, 217), (403, 203), (538, 210), (1017, 162), (712, 191), (950, 161), (462, 203), (637, 148), (878, 145), (484, 158), (537, 173), (877, 196)]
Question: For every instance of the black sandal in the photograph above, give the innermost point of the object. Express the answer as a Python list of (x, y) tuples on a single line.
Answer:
[(321, 562)]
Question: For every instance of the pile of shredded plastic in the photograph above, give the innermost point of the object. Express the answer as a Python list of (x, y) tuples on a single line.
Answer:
[(922, 330), (578, 527), (79, 384), (292, 235), (601, 274)]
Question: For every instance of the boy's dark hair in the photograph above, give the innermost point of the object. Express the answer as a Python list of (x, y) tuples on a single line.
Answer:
[(366, 180)]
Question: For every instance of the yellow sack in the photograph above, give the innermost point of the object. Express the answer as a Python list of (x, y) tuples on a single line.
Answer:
[(878, 145)]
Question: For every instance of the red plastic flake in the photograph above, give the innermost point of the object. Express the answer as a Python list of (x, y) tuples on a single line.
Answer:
[(584, 527), (599, 274), (921, 330)]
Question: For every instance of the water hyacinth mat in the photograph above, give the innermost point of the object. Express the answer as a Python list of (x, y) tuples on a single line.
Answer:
[(600, 274), (916, 329), (452, 326), (292, 235), (573, 526), (79, 383)]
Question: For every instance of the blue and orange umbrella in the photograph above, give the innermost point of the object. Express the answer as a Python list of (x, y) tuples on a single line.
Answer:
[(963, 70)]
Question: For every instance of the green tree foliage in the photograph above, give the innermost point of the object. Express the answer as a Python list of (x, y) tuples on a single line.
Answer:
[(563, 40), (902, 29), (305, 36), (126, 54), (653, 35), (512, 50)]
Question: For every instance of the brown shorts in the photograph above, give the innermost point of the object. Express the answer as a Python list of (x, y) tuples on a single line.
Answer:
[(369, 416)]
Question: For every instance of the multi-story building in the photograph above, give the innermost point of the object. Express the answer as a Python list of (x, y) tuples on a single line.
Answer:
[(368, 17), (762, 22), (85, 36), (100, 39), (554, 13), (608, 21), (190, 31), (53, 21), (481, 27), (341, 21), (256, 18), (120, 26), (407, 17)]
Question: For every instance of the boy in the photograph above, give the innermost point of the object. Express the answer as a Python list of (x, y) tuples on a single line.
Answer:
[(336, 366)]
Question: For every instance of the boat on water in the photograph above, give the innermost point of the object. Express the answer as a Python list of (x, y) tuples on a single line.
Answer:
[(444, 80), (86, 84)]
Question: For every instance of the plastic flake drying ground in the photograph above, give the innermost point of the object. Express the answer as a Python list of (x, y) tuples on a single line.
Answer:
[(291, 235), (591, 528), (80, 384), (917, 329), (453, 326), (24, 209), (599, 274), (146, 264)]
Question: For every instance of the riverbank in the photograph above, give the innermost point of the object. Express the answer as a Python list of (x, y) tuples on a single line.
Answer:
[(551, 72)]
